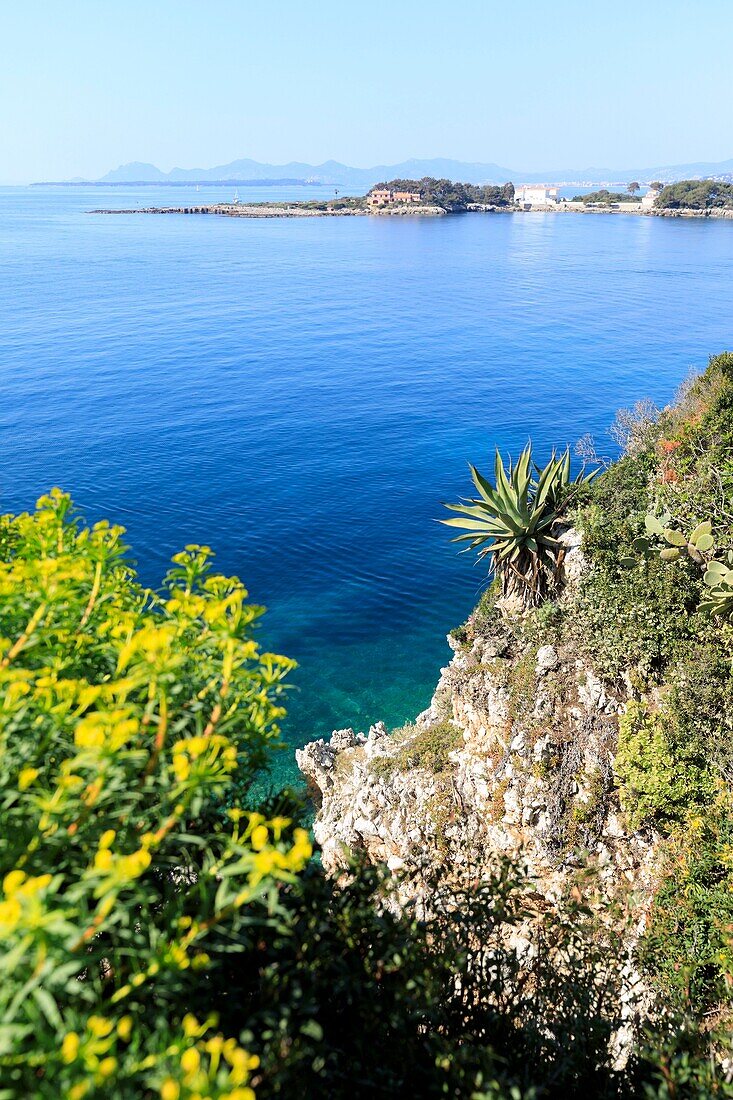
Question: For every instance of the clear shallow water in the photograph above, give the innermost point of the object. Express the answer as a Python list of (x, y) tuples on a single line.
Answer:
[(302, 394)]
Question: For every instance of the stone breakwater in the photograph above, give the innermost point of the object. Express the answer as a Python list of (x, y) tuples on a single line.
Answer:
[(240, 210), (281, 210), (528, 737), (306, 210)]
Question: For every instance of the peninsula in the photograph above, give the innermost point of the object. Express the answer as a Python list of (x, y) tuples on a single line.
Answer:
[(438, 197)]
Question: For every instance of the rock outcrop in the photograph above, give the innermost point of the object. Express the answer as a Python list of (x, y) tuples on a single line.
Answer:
[(513, 756)]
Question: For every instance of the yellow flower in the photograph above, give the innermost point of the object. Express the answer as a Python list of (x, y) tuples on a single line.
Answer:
[(107, 1066), (103, 860), (89, 734), (266, 861), (215, 1044), (124, 1028), (259, 837), (190, 1025), (190, 1061), (70, 1047), (169, 1090), (107, 838), (131, 866), (100, 1027), (10, 914), (12, 881), (302, 848), (26, 777)]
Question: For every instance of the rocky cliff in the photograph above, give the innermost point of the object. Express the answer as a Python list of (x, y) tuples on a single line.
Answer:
[(513, 756)]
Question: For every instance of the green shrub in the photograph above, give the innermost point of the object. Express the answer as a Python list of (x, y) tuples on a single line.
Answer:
[(688, 947), (125, 719), (429, 748), (636, 618), (695, 195), (661, 776), (437, 1004)]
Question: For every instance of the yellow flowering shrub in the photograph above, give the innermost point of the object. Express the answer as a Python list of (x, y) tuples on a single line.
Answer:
[(128, 722)]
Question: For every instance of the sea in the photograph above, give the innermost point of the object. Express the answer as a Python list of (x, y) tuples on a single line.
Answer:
[(302, 395)]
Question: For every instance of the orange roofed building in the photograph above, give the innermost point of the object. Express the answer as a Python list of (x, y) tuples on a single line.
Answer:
[(384, 196)]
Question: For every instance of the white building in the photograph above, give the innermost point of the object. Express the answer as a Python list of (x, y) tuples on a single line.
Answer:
[(648, 200), (531, 194)]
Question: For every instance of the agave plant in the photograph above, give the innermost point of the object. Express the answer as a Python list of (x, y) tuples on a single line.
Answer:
[(513, 520)]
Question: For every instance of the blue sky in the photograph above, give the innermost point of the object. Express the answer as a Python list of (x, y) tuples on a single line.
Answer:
[(88, 84)]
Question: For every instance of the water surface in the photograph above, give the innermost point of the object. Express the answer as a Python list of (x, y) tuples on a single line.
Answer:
[(302, 394)]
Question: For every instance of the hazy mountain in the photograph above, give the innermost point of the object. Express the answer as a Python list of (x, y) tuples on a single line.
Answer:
[(329, 172), (360, 179), (134, 172)]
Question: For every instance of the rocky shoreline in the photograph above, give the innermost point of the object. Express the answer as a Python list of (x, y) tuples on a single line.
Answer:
[(306, 210), (277, 210)]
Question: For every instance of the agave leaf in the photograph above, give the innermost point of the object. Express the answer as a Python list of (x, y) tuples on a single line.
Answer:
[(485, 488), (565, 467), (584, 479), (506, 491), (466, 524), (470, 507), (523, 478)]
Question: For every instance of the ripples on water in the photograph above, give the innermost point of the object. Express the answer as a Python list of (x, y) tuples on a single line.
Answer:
[(302, 394)]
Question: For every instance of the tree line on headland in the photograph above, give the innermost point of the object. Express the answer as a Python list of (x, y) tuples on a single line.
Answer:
[(455, 197), (450, 195)]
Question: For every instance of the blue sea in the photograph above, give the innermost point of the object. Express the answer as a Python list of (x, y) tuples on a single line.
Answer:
[(302, 394)]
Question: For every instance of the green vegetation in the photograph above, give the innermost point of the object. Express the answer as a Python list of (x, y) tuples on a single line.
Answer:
[(695, 195), (451, 196), (127, 721), (662, 773), (159, 941), (653, 616), (513, 520), (605, 197), (428, 748), (655, 608), (689, 947)]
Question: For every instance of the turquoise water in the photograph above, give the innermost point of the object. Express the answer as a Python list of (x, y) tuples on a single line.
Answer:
[(301, 395)]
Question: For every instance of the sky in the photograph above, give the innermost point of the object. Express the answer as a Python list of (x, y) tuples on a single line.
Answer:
[(86, 85)]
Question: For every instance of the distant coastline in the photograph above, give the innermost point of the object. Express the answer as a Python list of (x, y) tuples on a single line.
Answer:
[(335, 174), (324, 210), (430, 197)]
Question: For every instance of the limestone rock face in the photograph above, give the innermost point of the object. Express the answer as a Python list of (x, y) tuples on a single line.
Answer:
[(525, 769)]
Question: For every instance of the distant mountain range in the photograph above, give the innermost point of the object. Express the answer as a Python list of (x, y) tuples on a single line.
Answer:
[(333, 173)]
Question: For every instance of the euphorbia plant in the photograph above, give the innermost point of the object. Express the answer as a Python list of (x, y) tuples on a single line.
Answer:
[(125, 720)]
